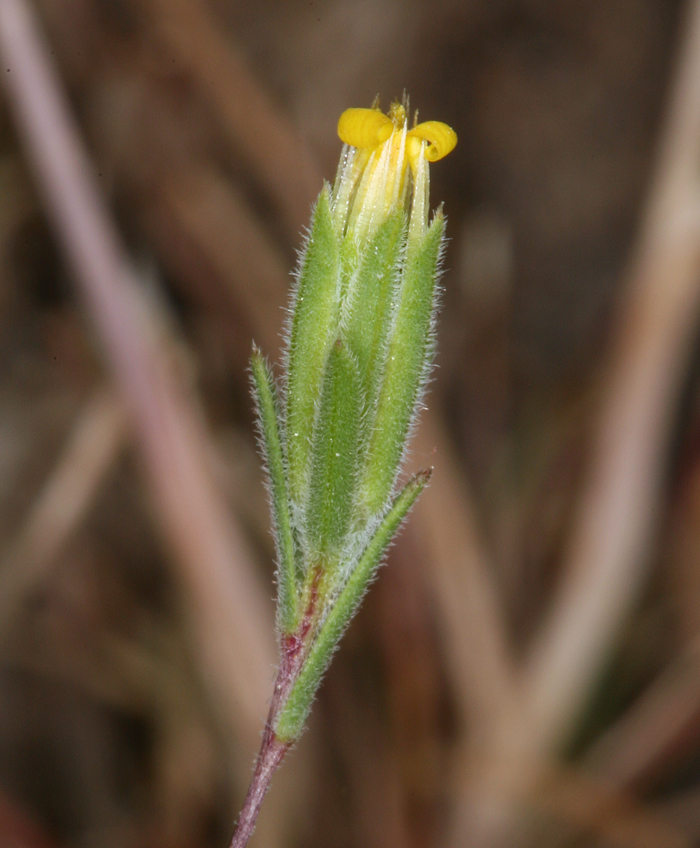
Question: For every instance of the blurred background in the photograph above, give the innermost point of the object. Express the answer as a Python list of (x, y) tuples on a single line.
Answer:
[(526, 669)]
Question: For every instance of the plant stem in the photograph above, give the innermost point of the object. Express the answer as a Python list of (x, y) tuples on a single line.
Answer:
[(271, 754), (272, 749)]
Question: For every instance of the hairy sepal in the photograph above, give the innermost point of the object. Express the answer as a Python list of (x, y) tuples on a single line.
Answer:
[(368, 307), (290, 722), (334, 460), (313, 330), (408, 361)]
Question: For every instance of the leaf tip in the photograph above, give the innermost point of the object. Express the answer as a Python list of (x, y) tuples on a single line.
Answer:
[(423, 477)]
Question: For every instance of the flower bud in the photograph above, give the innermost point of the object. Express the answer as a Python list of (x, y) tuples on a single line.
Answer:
[(359, 351)]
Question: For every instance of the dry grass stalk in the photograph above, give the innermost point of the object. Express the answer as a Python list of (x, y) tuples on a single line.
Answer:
[(63, 502), (228, 610), (608, 555)]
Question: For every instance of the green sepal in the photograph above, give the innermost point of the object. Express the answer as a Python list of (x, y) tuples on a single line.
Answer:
[(268, 417), (335, 458), (314, 325), (369, 300), (293, 715), (407, 363)]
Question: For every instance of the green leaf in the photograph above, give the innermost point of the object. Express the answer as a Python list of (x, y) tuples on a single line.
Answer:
[(292, 717), (268, 417), (407, 363), (369, 301), (335, 458), (313, 330)]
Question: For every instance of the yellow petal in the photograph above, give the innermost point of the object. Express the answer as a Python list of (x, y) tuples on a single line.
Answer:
[(366, 128), (441, 138)]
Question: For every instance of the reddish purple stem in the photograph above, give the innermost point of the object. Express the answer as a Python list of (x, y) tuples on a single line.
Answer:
[(272, 749), (271, 754)]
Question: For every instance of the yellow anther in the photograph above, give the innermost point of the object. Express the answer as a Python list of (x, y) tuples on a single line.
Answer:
[(365, 128), (386, 168), (441, 139)]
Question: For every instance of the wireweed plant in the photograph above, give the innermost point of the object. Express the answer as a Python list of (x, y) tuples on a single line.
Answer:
[(359, 349)]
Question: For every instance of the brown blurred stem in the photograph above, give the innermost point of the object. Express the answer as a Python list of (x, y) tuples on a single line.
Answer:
[(87, 457), (231, 620), (609, 550), (470, 613), (608, 555), (257, 130)]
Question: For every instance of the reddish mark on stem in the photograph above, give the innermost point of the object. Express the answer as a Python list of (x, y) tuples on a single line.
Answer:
[(293, 648), (293, 644)]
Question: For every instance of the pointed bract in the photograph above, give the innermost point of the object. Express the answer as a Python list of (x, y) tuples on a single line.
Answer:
[(292, 718), (268, 421)]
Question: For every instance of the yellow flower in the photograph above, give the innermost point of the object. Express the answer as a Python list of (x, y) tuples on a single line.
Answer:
[(382, 163)]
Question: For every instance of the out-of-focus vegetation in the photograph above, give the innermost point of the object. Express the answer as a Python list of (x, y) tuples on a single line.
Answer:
[(210, 126)]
